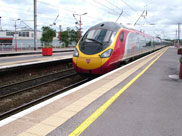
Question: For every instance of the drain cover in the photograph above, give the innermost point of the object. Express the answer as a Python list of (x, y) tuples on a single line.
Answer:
[(176, 77)]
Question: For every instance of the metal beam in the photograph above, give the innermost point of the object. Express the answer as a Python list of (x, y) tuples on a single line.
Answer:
[(35, 24)]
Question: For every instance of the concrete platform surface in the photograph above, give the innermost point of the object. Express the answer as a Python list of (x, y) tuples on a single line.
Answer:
[(152, 106), (15, 61)]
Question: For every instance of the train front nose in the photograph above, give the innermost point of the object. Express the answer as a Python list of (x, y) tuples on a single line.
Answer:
[(87, 64)]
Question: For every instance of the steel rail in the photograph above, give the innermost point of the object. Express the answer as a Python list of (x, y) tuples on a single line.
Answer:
[(12, 84), (33, 102)]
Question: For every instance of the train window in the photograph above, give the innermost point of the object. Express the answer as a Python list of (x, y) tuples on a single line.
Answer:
[(113, 36), (122, 36), (102, 35)]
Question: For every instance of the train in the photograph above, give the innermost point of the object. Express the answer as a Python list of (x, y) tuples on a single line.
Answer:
[(6, 40), (105, 45)]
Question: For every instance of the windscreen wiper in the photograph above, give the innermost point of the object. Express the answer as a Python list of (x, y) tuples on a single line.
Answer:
[(95, 41)]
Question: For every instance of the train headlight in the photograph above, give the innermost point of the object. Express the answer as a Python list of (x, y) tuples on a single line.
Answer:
[(106, 54), (75, 54)]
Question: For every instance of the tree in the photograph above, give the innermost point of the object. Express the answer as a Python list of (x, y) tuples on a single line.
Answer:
[(68, 36), (74, 35), (47, 35), (64, 37)]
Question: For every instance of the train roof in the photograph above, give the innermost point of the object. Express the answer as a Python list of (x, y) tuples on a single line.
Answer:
[(6, 37), (141, 33), (108, 25), (115, 27)]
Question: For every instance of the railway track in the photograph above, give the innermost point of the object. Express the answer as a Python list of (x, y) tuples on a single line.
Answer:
[(15, 88), (33, 91)]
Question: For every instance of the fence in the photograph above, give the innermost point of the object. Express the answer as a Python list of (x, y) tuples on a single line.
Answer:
[(22, 47)]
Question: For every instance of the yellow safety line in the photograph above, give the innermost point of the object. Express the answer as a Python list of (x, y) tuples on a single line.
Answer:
[(101, 109)]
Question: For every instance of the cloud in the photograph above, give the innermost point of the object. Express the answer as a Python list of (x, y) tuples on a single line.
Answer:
[(19, 2), (164, 14)]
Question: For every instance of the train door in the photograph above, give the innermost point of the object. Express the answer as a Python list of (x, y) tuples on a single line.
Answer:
[(121, 44), (127, 46), (138, 44)]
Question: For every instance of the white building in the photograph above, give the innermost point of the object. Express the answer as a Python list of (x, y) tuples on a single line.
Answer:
[(24, 35), (25, 38)]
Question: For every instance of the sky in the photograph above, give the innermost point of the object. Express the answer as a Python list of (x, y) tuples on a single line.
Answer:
[(160, 17)]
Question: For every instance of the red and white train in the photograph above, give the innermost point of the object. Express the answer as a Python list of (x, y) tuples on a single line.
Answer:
[(105, 45)]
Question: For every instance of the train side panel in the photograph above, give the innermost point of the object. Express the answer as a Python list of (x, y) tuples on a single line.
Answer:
[(137, 44)]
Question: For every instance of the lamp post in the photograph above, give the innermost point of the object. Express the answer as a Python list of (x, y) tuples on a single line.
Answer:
[(80, 23), (15, 35)]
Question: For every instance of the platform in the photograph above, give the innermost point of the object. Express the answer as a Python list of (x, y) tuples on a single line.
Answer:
[(138, 99), (29, 59), (28, 52)]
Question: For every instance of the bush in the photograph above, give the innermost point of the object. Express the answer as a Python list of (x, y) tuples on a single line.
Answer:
[(47, 36)]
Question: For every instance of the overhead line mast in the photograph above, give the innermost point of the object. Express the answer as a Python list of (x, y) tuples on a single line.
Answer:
[(119, 16), (179, 25), (142, 15), (35, 24)]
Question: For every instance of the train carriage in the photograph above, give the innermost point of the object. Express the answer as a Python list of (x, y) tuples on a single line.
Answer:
[(105, 45), (7, 40)]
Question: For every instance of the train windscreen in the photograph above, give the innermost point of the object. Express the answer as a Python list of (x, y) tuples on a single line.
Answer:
[(96, 40)]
